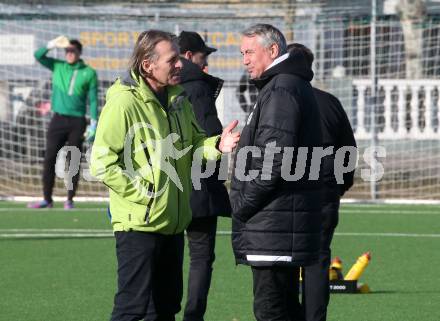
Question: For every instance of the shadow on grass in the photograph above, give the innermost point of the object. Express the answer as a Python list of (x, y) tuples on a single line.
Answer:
[(384, 292)]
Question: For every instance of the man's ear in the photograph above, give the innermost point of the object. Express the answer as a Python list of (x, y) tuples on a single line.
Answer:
[(146, 66), (188, 55), (274, 51)]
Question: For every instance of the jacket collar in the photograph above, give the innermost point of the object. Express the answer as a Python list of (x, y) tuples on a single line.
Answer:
[(136, 83), (192, 72), (278, 60), (77, 65), (293, 65)]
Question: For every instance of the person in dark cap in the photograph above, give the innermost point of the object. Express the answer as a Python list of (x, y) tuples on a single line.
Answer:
[(212, 199), (194, 49)]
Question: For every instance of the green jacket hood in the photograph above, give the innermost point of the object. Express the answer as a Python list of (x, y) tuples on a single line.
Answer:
[(129, 81)]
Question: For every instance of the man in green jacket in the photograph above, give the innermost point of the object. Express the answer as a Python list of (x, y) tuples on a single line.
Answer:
[(72, 82), (145, 142)]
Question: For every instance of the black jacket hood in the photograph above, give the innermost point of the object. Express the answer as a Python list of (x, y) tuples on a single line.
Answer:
[(191, 72), (295, 64)]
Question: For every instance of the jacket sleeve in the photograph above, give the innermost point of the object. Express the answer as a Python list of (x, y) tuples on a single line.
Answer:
[(41, 56), (93, 96), (107, 161), (346, 138), (278, 122)]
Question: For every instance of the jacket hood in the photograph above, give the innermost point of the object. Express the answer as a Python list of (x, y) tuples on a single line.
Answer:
[(295, 64), (129, 81), (191, 72)]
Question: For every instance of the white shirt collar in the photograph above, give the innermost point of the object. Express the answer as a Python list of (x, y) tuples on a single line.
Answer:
[(278, 60)]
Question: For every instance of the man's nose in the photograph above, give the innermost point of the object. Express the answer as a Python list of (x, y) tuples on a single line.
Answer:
[(245, 60), (178, 64)]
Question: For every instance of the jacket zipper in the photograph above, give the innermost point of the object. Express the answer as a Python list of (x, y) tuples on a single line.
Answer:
[(72, 82), (180, 131), (148, 210), (175, 166), (150, 189)]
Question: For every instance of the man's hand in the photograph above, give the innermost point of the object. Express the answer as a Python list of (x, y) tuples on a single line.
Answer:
[(229, 140), (58, 42), (91, 131)]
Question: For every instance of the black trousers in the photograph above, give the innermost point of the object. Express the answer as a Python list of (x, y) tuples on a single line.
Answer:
[(149, 267), (316, 294), (276, 293), (201, 241), (61, 129)]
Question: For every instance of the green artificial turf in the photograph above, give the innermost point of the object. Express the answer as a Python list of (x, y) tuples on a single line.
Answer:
[(50, 272)]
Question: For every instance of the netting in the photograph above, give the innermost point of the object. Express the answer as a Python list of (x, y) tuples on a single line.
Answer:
[(405, 119)]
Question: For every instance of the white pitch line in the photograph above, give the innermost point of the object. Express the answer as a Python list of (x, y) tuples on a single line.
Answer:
[(385, 211), (367, 234), (344, 210), (110, 234), (54, 230), (38, 210), (348, 205), (55, 235), (388, 234)]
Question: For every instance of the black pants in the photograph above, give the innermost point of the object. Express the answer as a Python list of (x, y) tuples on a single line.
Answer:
[(61, 129), (201, 241), (316, 294), (149, 266), (276, 293)]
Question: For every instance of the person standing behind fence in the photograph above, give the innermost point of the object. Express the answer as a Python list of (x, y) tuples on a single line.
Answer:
[(336, 132), (72, 83), (276, 218), (212, 199)]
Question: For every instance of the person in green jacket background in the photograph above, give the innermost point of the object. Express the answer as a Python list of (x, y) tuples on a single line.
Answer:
[(146, 140), (72, 83)]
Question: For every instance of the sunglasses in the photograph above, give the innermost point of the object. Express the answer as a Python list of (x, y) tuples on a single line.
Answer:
[(71, 50)]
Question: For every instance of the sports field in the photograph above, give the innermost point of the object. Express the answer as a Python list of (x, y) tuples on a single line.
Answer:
[(60, 266)]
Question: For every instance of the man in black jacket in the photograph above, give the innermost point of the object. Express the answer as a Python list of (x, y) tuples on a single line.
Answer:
[(336, 132), (212, 199), (276, 218)]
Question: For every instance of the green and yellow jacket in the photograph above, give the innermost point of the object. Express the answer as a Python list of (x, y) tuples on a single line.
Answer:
[(143, 152), (71, 84)]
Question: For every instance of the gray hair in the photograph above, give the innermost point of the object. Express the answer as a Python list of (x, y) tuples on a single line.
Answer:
[(145, 49), (269, 35)]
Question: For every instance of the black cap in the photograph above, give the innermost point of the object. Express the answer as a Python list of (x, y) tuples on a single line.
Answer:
[(191, 41)]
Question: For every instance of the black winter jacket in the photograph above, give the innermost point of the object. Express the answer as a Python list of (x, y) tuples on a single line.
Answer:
[(202, 90), (278, 221), (336, 132)]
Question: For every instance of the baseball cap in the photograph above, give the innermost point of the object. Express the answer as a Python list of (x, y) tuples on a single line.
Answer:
[(191, 41)]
